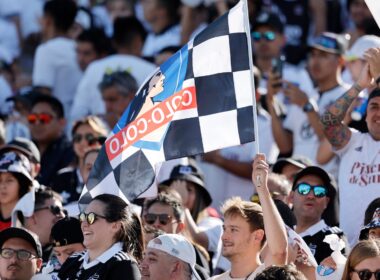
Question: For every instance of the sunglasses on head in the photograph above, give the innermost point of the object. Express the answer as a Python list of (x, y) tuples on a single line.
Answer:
[(90, 218), (326, 42), (54, 209), (366, 274), (164, 219), (305, 189), (42, 118), (89, 137), (268, 36)]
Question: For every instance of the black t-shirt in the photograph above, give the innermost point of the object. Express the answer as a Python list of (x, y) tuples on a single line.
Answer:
[(318, 247), (119, 266)]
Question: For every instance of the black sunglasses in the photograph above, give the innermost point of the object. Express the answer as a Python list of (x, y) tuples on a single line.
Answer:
[(89, 137), (164, 219), (366, 274), (54, 209), (22, 255), (305, 189), (90, 218)]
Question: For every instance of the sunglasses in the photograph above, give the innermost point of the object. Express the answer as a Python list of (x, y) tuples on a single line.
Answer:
[(305, 189), (366, 274), (90, 218), (54, 209), (164, 219), (268, 36), (326, 42), (89, 137), (22, 255), (42, 118)]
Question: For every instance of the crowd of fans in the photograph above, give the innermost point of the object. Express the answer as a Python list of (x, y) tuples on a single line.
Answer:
[(306, 206)]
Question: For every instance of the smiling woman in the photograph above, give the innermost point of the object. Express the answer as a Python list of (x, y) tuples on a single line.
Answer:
[(114, 241)]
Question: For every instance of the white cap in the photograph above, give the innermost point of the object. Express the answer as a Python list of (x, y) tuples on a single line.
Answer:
[(361, 45), (177, 246)]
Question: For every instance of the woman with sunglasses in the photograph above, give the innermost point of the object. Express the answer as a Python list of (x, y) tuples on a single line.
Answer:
[(363, 263), (87, 133), (15, 181), (113, 236)]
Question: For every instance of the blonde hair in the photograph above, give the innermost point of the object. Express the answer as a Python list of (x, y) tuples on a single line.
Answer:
[(94, 122), (251, 212), (363, 250)]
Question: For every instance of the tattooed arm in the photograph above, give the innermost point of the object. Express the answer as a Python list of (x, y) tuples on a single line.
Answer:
[(335, 130)]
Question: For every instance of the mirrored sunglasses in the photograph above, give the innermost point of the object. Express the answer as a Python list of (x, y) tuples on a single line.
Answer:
[(305, 189), (164, 219), (268, 36), (42, 118), (366, 274), (90, 218)]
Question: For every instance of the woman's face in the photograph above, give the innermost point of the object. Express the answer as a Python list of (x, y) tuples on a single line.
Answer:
[(9, 188), (371, 264), (100, 235), (82, 139)]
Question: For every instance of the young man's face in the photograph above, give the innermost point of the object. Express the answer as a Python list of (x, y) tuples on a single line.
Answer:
[(171, 226), (373, 117), (63, 252), (323, 65), (14, 268), (86, 54), (237, 237), (268, 49)]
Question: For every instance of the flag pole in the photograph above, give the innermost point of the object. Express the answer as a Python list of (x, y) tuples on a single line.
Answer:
[(247, 32)]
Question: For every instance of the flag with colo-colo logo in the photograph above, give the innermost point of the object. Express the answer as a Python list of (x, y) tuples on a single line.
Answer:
[(200, 100)]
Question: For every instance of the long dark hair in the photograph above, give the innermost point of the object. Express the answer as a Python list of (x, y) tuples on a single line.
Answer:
[(131, 232)]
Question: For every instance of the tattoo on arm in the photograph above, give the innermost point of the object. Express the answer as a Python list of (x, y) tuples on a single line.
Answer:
[(337, 132)]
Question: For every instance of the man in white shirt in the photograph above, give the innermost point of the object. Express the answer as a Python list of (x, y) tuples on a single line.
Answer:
[(247, 227), (56, 70), (359, 152), (128, 38)]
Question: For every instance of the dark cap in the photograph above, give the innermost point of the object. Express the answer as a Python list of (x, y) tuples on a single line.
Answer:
[(26, 96), (66, 231), (331, 43), (25, 146), (22, 233), (271, 20), (16, 163), (375, 223), (373, 94), (190, 173), (327, 179), (299, 161)]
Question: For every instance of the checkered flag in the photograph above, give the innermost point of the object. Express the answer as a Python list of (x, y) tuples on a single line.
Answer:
[(200, 100)]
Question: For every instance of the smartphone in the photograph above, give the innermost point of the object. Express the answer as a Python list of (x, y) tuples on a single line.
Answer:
[(278, 65)]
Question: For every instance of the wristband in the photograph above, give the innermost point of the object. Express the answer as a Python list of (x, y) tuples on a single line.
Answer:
[(357, 87)]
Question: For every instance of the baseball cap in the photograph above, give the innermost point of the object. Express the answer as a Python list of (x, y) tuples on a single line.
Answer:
[(25, 146), (361, 45), (331, 43), (190, 173), (66, 231), (271, 20), (177, 246), (374, 223), (299, 161), (22, 233), (15, 163), (327, 179)]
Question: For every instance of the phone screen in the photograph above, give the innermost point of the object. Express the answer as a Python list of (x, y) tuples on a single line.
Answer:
[(278, 65)]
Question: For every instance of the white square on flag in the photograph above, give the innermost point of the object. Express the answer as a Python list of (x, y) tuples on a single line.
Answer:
[(374, 7)]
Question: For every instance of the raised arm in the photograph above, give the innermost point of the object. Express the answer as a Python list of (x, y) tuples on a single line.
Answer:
[(335, 130), (275, 231)]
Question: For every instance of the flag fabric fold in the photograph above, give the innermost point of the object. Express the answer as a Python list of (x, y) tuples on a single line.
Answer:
[(201, 99)]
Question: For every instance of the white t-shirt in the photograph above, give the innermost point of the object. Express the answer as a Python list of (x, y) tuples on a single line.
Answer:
[(9, 38), (30, 15), (226, 275), (156, 42), (222, 184), (305, 141), (10, 8), (88, 99), (359, 181), (56, 67)]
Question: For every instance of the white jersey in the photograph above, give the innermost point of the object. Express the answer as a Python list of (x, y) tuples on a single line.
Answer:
[(56, 67), (156, 42), (88, 99), (359, 181), (226, 275), (305, 141)]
